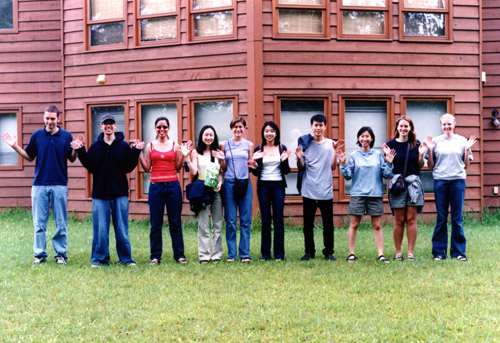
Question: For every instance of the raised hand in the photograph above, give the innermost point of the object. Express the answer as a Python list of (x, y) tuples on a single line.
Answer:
[(10, 140), (77, 142), (258, 154), (138, 144), (186, 148), (338, 144), (218, 154), (429, 142), (390, 156), (422, 148), (341, 156), (285, 155), (385, 149), (299, 153), (470, 142)]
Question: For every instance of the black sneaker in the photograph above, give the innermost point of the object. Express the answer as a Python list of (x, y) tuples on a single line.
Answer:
[(61, 261), (330, 257), (307, 257), (37, 261)]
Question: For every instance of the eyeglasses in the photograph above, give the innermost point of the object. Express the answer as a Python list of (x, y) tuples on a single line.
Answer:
[(164, 127)]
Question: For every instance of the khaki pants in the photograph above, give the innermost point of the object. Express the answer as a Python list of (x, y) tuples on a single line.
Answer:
[(207, 251)]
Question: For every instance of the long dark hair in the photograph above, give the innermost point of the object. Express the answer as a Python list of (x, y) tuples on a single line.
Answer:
[(201, 146), (412, 135), (273, 126), (370, 132)]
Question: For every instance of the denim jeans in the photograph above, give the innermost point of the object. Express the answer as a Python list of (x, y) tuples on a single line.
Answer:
[(169, 195), (231, 207), (55, 197), (449, 193), (326, 208), (102, 211), (272, 196)]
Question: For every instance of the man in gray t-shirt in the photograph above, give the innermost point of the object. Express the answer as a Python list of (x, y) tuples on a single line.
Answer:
[(317, 159)]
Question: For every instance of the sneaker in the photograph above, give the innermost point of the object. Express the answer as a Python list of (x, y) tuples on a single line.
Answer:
[(330, 257), (37, 261), (131, 264), (61, 261), (306, 257), (94, 265)]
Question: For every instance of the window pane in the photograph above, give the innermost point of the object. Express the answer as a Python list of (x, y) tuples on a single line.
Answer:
[(203, 4), (432, 4), (106, 34), (363, 23), (157, 6), (295, 116), (6, 17), (300, 2), (425, 24), (213, 24), (364, 3), (364, 113), (98, 111), (216, 113), (8, 123), (300, 21), (106, 9), (149, 113), (158, 29)]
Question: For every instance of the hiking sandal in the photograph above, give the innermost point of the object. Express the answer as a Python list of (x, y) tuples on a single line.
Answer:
[(351, 258), (398, 257), (462, 258), (382, 258)]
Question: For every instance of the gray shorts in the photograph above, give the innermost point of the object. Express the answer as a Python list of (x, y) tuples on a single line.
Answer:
[(403, 200), (360, 206)]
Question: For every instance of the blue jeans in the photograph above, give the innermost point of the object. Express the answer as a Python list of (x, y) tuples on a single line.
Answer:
[(272, 196), (449, 193), (231, 207), (169, 195), (56, 197), (102, 211)]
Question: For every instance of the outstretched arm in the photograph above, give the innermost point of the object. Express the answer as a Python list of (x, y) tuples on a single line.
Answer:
[(12, 142)]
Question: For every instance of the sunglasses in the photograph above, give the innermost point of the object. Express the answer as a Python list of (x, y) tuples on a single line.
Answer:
[(164, 127)]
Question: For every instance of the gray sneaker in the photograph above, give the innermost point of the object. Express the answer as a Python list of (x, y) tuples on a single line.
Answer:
[(37, 261), (61, 261)]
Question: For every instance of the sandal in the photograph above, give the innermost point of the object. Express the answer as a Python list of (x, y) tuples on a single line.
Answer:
[(230, 260), (154, 262), (245, 260), (411, 258), (382, 258), (399, 257), (461, 258), (204, 261), (182, 260), (351, 258)]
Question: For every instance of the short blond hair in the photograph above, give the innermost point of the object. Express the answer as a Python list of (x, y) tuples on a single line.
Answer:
[(447, 116)]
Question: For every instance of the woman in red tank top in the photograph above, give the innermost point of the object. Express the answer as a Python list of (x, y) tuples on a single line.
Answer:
[(164, 158)]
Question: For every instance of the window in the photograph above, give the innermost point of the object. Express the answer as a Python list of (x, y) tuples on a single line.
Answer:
[(157, 22), (366, 19), (215, 112), (94, 114), (293, 117), (425, 19), (356, 112), (425, 114), (10, 121), (145, 131), (300, 18), (105, 23), (8, 16), (212, 19)]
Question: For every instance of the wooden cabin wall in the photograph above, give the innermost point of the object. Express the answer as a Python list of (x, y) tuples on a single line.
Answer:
[(387, 68), (30, 80), (491, 100)]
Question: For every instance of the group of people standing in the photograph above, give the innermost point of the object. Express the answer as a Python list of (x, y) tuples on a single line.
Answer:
[(109, 159)]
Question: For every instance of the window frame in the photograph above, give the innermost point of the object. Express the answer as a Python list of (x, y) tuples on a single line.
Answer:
[(450, 108), (140, 196), (327, 99), (390, 125), (325, 8), (88, 134), (388, 21), (192, 12), (137, 25), (15, 19), (19, 133), (89, 23), (448, 22)]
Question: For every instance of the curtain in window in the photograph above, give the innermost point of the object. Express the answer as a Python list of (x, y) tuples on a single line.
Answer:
[(213, 24), (364, 3), (157, 6), (216, 113), (106, 9), (203, 4), (363, 23), (428, 4), (158, 29), (300, 2), (300, 21), (8, 123)]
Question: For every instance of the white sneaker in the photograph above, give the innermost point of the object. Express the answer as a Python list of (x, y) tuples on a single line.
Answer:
[(61, 261), (37, 261)]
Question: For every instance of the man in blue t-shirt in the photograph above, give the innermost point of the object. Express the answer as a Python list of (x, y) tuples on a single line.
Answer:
[(50, 146)]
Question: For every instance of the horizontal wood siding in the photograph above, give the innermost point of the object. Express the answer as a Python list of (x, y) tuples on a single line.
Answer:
[(388, 68), (185, 70), (491, 100), (30, 79)]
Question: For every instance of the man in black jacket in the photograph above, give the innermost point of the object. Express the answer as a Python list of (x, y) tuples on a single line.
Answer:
[(109, 159)]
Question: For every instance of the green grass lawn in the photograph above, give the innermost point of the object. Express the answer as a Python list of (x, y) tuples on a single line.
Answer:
[(288, 301)]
